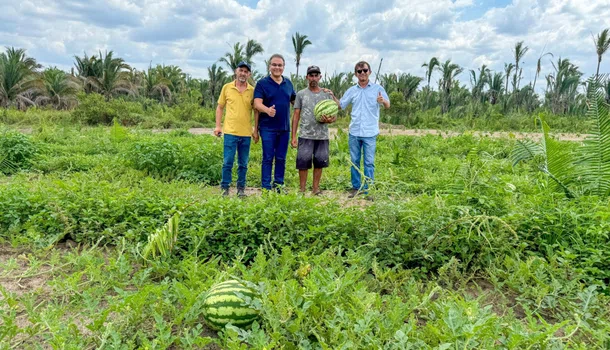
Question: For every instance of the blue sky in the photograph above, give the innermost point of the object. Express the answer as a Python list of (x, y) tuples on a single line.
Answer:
[(194, 34)]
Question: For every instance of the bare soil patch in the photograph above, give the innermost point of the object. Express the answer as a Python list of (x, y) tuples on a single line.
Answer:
[(396, 130)]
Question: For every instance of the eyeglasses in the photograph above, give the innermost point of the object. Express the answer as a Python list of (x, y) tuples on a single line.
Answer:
[(314, 74), (279, 65), (362, 70)]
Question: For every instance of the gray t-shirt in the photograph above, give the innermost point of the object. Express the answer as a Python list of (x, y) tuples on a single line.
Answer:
[(309, 128)]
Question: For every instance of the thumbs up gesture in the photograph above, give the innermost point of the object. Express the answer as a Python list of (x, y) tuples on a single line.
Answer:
[(379, 98), (271, 111)]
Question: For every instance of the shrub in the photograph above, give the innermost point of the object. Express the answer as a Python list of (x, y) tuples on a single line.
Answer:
[(16, 151)]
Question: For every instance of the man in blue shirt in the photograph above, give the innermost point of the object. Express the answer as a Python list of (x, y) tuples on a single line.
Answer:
[(366, 99), (272, 98)]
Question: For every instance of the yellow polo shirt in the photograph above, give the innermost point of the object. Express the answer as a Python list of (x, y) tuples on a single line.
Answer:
[(238, 109)]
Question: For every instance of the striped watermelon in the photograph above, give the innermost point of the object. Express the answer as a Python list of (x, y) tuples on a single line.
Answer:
[(325, 107), (222, 306)]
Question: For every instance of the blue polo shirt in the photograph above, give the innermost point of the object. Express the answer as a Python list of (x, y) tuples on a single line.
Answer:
[(279, 95)]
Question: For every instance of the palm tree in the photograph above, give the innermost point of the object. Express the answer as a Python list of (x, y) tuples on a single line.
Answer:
[(252, 48), (156, 85), (495, 87), (18, 78), (112, 76), (562, 86), (389, 82), (602, 43), (539, 68), (174, 75), (59, 90), (232, 59), (434, 62), (338, 82), (448, 72), (508, 68), (518, 53), (87, 67), (407, 84), (217, 78), (478, 84), (430, 68), (299, 42)]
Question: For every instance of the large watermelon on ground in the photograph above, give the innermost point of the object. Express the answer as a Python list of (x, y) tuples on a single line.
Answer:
[(222, 305), (325, 107)]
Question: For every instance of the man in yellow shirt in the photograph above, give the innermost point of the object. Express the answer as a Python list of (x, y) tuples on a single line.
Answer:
[(236, 97)]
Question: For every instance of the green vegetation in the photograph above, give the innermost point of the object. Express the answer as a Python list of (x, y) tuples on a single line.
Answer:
[(459, 249), (111, 232)]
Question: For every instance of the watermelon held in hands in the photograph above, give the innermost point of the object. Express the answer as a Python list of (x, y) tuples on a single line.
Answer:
[(325, 107), (222, 305)]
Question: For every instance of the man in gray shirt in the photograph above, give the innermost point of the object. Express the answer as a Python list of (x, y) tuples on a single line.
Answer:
[(313, 137)]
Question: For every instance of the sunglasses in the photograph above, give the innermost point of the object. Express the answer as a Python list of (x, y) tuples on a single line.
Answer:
[(362, 70), (314, 74)]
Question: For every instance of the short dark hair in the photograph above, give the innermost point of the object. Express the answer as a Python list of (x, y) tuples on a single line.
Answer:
[(277, 55), (361, 64)]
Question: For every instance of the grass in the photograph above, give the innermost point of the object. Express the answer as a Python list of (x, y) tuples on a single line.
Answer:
[(459, 249)]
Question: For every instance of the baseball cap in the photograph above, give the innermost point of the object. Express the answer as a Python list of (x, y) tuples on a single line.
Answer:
[(313, 69), (244, 64)]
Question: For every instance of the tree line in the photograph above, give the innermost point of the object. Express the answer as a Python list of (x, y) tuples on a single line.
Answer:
[(24, 83)]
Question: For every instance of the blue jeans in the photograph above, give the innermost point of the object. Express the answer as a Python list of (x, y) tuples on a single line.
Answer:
[(357, 147), (241, 145), (275, 147)]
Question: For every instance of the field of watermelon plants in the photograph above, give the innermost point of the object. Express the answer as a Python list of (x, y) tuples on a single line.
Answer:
[(459, 250)]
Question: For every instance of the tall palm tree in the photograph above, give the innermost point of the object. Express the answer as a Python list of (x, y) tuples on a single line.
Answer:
[(112, 76), (299, 42), (518, 53), (448, 72), (539, 68), (252, 48), (430, 68), (232, 59), (478, 84), (602, 43), (508, 68), (18, 78), (434, 62), (59, 90)]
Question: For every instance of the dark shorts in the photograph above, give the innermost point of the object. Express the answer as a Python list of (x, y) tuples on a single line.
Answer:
[(312, 151)]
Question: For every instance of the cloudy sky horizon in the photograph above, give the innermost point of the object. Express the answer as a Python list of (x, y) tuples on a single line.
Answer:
[(194, 34)]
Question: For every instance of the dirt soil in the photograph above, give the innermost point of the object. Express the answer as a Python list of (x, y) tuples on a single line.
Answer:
[(398, 130)]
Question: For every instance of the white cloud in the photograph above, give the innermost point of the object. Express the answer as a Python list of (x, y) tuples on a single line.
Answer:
[(406, 33)]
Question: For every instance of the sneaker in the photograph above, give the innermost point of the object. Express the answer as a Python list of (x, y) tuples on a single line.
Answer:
[(225, 192), (353, 193), (241, 192)]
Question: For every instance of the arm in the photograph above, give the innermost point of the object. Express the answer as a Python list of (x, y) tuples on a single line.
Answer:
[(346, 99), (383, 98), (218, 129), (258, 104), (255, 131), (296, 117)]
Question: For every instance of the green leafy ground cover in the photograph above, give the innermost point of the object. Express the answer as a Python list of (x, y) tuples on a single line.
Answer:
[(459, 250)]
